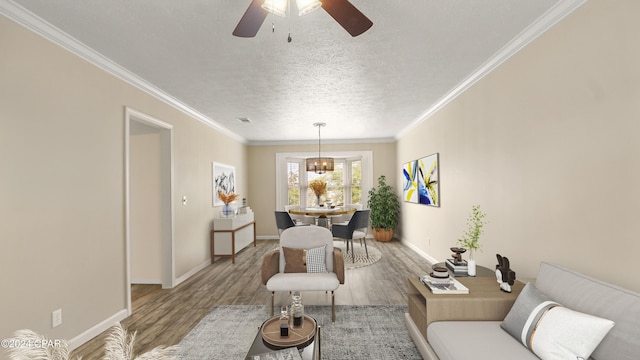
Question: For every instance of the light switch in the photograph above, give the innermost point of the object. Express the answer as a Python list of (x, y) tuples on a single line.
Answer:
[(184, 200)]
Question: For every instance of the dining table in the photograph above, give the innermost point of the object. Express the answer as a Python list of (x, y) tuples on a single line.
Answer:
[(322, 213)]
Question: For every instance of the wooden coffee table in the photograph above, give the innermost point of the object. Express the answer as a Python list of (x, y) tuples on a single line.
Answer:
[(310, 350)]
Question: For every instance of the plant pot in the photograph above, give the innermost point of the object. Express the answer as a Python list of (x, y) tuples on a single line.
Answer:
[(383, 235)]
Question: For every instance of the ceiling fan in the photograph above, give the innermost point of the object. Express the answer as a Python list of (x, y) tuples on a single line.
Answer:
[(350, 18)]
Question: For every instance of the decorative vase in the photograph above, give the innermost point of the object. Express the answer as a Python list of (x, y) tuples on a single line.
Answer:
[(382, 235), (318, 201), (297, 310), (471, 267), (227, 210)]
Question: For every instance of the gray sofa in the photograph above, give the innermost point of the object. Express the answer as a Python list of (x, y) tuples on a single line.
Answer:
[(447, 340)]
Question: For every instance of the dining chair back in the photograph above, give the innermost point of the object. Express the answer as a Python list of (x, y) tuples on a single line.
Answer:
[(283, 221), (356, 228), (346, 217)]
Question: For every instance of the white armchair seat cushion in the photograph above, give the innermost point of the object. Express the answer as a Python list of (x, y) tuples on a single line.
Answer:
[(303, 282)]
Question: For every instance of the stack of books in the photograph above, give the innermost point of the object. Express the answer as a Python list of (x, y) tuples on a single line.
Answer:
[(447, 285), (457, 269)]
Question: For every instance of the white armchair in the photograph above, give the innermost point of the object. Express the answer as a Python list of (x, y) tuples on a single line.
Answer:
[(280, 275)]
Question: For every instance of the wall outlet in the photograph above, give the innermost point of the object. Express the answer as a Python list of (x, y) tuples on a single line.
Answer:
[(56, 318)]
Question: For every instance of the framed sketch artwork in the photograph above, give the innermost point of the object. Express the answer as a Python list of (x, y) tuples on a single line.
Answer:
[(224, 179)]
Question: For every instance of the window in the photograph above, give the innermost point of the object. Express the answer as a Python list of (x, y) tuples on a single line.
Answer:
[(335, 185), (355, 188), (345, 185), (293, 183)]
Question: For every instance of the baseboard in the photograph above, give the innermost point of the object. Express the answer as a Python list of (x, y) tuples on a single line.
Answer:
[(192, 272), (429, 258), (96, 330), (146, 281)]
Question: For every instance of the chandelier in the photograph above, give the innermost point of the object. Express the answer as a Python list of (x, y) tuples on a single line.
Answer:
[(319, 165)]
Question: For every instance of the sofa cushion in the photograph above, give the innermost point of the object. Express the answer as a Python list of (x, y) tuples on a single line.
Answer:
[(586, 294), (304, 260), (552, 331), (477, 340)]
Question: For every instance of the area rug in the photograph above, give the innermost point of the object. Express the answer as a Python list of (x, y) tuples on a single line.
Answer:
[(359, 332), (360, 254)]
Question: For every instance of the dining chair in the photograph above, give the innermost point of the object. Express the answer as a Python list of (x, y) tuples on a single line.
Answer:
[(356, 228), (346, 217), (284, 221)]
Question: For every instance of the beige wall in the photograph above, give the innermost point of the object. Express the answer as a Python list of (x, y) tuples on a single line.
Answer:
[(549, 146), (62, 185), (145, 209), (262, 164)]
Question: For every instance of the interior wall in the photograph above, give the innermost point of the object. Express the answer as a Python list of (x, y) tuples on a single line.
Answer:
[(62, 185), (548, 145), (145, 209), (262, 162)]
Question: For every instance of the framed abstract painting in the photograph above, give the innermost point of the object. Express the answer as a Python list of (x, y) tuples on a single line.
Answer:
[(428, 180), (410, 181)]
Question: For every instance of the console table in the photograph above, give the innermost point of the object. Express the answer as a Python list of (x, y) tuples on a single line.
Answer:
[(230, 235), (485, 301)]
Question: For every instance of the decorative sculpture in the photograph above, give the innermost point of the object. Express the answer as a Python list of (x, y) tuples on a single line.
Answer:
[(457, 255), (504, 275)]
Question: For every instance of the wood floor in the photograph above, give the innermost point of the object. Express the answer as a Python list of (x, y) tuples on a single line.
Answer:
[(165, 316)]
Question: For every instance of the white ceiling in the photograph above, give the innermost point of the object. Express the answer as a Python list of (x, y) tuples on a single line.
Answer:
[(374, 86)]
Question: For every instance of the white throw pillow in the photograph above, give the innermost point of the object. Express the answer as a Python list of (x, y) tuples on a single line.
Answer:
[(563, 334), (551, 331)]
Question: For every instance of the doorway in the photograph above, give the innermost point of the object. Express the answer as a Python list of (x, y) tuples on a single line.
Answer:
[(149, 216)]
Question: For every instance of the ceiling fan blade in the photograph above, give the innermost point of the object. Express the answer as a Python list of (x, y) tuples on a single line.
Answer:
[(350, 18), (251, 21)]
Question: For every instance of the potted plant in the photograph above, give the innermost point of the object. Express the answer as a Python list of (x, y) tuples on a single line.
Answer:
[(471, 237), (385, 207)]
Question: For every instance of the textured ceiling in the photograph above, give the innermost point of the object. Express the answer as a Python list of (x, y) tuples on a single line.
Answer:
[(369, 87)]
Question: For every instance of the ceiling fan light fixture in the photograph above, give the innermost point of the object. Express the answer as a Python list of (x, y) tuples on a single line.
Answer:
[(276, 7), (307, 6)]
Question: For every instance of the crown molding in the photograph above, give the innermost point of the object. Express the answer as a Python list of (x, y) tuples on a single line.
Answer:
[(46, 30), (324, 142), (533, 31)]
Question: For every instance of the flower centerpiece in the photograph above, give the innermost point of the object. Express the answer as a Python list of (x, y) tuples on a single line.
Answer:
[(319, 188), (227, 199)]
